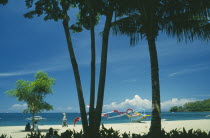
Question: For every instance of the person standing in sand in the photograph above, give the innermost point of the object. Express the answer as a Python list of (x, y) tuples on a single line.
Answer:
[(36, 126), (64, 121)]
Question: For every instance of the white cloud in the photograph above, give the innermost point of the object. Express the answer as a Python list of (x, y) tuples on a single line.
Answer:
[(166, 105), (18, 107), (19, 73), (26, 72), (57, 63), (187, 71), (8, 74), (137, 102)]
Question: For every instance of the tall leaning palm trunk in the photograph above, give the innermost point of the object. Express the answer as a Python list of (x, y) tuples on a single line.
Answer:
[(93, 63), (155, 128), (76, 74), (102, 77)]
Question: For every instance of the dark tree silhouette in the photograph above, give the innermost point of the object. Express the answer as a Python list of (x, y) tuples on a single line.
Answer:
[(184, 19)]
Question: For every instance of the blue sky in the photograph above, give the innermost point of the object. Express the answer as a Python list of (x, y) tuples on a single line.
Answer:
[(28, 46)]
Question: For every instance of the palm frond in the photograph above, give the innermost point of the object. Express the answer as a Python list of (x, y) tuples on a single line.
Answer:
[(186, 26), (129, 26)]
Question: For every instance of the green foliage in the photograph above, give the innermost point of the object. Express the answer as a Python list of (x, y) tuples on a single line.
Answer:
[(76, 28), (183, 19), (72, 134), (35, 135), (174, 109), (3, 2), (198, 106), (33, 93), (51, 9), (110, 133), (4, 136)]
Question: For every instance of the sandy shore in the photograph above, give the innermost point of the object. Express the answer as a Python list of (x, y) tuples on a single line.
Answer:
[(18, 131)]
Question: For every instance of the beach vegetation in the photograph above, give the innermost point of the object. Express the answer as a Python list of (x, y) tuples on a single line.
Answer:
[(35, 135), (33, 93), (110, 133), (197, 106), (184, 19), (4, 136)]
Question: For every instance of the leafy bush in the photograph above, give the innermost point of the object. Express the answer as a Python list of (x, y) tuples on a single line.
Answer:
[(72, 134), (35, 135), (110, 133), (185, 134), (4, 136)]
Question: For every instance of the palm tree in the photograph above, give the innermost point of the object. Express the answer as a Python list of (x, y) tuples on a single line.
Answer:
[(92, 13), (58, 10), (65, 8), (106, 8), (183, 19), (88, 19)]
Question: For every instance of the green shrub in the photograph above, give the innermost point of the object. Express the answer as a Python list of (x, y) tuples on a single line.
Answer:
[(110, 133), (35, 135), (4, 136)]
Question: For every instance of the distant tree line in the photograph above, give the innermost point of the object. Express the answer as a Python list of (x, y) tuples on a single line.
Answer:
[(198, 106)]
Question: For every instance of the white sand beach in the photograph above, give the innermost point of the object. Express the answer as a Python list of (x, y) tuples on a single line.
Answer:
[(18, 131)]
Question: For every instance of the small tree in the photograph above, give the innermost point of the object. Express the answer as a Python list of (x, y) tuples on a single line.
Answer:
[(174, 109), (33, 93)]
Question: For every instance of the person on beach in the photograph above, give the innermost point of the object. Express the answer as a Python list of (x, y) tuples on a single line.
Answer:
[(50, 133), (36, 126), (76, 119), (28, 127), (64, 121), (56, 134)]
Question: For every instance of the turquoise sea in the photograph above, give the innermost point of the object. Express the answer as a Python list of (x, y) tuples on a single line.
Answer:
[(19, 119)]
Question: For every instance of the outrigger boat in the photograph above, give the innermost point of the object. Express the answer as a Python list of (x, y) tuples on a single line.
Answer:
[(134, 116), (37, 118)]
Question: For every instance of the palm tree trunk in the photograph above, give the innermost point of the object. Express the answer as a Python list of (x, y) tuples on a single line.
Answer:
[(93, 62), (33, 114), (76, 75), (155, 128), (102, 77)]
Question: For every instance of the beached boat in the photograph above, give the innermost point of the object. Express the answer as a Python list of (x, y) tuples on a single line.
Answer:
[(37, 118), (137, 116), (134, 116)]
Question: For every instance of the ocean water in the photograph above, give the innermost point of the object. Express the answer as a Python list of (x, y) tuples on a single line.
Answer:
[(19, 119)]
